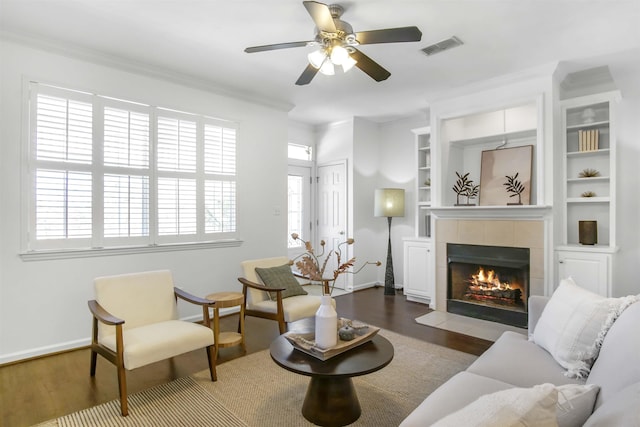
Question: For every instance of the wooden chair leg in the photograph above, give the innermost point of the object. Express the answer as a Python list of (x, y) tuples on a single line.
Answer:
[(212, 356), (282, 326), (94, 360), (122, 389)]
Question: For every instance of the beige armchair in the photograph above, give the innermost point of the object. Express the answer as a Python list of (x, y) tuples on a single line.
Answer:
[(135, 323), (259, 304)]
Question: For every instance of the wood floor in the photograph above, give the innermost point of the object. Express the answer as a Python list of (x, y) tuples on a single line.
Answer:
[(44, 388)]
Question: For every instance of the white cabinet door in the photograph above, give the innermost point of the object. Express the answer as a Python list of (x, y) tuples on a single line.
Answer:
[(418, 280), (589, 270)]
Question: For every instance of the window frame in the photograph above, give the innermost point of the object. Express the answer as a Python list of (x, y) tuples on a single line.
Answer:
[(98, 244)]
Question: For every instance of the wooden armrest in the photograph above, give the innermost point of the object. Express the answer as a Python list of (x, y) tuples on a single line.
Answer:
[(192, 298), (258, 286), (103, 315)]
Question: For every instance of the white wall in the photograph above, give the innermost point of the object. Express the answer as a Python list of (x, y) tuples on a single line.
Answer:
[(43, 304), (397, 170), (378, 155)]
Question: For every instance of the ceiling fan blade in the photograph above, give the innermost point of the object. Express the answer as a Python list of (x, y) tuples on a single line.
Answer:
[(275, 46), (369, 66), (390, 35), (307, 75), (321, 16)]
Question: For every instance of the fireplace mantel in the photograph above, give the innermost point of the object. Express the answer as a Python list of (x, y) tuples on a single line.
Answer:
[(492, 212)]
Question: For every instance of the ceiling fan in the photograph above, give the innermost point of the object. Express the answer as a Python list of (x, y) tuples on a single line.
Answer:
[(337, 43)]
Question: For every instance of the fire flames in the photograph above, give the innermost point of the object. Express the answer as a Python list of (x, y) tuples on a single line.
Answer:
[(488, 280), (486, 286)]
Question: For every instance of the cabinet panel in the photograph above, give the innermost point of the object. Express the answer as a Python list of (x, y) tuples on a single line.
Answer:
[(588, 270), (418, 280)]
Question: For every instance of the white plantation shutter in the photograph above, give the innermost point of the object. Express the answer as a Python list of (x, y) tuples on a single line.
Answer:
[(220, 186), (63, 204), (63, 130), (126, 138), (176, 206), (220, 206), (126, 152), (176, 145), (126, 206), (219, 150), (63, 147), (107, 172)]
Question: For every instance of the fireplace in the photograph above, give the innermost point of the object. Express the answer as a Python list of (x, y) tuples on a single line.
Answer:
[(488, 282)]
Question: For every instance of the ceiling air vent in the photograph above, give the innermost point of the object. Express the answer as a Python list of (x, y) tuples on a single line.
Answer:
[(442, 46)]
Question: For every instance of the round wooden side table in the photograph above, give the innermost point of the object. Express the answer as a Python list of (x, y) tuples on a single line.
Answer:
[(227, 338)]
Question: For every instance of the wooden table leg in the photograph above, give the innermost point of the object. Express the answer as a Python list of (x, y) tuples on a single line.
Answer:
[(331, 402)]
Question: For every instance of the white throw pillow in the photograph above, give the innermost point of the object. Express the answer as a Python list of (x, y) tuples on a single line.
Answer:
[(513, 407), (573, 325)]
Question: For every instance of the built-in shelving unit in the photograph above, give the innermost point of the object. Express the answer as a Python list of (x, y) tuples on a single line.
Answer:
[(593, 197), (418, 256), (423, 181), (588, 145)]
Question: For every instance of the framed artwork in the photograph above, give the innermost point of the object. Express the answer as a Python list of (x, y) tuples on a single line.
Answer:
[(505, 176)]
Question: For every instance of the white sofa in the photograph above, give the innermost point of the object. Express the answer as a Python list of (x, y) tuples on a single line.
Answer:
[(515, 361)]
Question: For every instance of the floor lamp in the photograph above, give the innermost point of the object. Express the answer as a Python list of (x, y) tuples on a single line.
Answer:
[(389, 202)]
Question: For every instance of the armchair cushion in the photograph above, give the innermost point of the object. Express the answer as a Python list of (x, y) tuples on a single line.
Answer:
[(158, 341), (280, 277), (295, 308)]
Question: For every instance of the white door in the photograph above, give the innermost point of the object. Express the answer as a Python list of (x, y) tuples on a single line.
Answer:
[(299, 208), (332, 215)]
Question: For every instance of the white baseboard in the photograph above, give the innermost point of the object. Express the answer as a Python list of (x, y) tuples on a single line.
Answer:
[(365, 286), (41, 351)]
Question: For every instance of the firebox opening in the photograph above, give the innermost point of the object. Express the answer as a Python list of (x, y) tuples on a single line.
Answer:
[(488, 282)]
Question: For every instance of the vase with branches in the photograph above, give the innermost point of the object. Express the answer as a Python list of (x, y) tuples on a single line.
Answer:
[(312, 265)]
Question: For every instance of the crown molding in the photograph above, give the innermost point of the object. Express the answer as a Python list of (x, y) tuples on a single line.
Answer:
[(141, 68)]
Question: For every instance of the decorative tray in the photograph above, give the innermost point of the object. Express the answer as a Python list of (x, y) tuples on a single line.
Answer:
[(306, 343)]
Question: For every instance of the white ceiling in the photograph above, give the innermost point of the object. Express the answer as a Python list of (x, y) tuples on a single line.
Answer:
[(204, 40)]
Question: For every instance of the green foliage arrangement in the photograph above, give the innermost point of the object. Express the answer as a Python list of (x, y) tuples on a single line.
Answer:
[(515, 187)]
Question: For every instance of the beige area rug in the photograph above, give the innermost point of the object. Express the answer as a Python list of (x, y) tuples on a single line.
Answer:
[(253, 391)]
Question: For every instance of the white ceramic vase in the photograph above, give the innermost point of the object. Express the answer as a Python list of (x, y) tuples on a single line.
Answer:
[(326, 324)]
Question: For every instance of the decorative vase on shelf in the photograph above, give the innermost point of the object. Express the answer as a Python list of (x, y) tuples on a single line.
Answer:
[(326, 324)]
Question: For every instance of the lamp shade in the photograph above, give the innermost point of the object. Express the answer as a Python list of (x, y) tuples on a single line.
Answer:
[(389, 202)]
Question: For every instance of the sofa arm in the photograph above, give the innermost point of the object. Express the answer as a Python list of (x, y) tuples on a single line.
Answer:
[(536, 306)]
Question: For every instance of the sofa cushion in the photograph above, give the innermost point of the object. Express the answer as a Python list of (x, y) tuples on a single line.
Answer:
[(280, 276), (515, 360), (619, 410), (575, 404), (573, 325), (535, 406), (459, 391), (618, 365)]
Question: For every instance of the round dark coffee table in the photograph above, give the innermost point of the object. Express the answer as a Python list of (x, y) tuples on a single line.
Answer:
[(331, 398)]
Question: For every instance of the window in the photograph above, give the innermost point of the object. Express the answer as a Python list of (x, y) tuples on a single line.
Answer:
[(300, 152), (108, 173), (299, 196)]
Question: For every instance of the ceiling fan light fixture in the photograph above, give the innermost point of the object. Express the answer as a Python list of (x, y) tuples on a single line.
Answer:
[(339, 55), (348, 63), (317, 57), (327, 67)]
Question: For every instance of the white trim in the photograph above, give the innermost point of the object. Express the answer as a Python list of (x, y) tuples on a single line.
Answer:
[(99, 252), (492, 212)]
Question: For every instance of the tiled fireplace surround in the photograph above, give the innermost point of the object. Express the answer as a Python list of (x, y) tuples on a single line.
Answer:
[(522, 233)]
